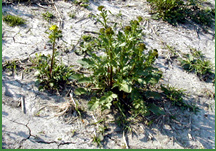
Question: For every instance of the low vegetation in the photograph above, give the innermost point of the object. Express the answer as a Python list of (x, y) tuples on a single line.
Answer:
[(12, 20), (82, 3), (179, 11), (48, 16), (123, 78), (51, 73), (196, 62)]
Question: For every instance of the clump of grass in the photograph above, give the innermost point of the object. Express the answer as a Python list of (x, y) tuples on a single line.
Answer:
[(179, 11), (48, 16), (172, 11), (203, 16), (13, 20), (196, 62), (10, 66)]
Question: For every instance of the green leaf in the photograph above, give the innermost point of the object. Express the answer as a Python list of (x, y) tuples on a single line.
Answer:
[(85, 62), (155, 109), (141, 81), (51, 84), (80, 91), (123, 44), (93, 104), (125, 86), (76, 76), (85, 80), (190, 57), (106, 100)]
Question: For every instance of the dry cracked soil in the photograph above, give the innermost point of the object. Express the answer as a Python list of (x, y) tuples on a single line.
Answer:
[(32, 119)]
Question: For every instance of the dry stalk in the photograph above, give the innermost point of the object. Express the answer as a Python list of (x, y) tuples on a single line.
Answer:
[(60, 18)]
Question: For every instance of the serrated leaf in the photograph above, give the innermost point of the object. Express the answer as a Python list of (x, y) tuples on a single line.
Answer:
[(80, 91)]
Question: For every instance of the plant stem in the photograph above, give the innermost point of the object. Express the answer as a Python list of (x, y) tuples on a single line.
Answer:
[(53, 55), (111, 68)]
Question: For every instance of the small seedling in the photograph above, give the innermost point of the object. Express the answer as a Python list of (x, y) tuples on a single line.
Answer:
[(13, 20), (48, 16), (172, 50), (59, 139), (97, 140), (73, 132), (72, 15), (10, 65), (119, 15)]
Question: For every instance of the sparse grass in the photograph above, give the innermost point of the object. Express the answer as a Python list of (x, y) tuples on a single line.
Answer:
[(172, 11), (97, 140), (13, 20), (176, 97), (48, 16), (203, 16), (179, 11), (208, 93), (196, 62), (72, 15), (82, 3), (10, 65), (172, 50)]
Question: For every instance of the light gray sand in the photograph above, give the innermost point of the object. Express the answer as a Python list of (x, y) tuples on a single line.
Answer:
[(43, 130)]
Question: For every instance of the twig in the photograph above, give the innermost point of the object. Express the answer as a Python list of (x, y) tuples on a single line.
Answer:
[(124, 139), (92, 32), (15, 35), (23, 104), (71, 96), (38, 4), (81, 20), (60, 18)]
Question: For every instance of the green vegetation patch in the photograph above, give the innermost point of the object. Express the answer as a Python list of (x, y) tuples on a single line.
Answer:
[(123, 79), (51, 73), (82, 3), (196, 62), (178, 11), (48, 16), (12, 20)]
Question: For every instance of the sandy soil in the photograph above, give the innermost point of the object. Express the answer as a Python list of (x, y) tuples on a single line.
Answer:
[(37, 127)]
